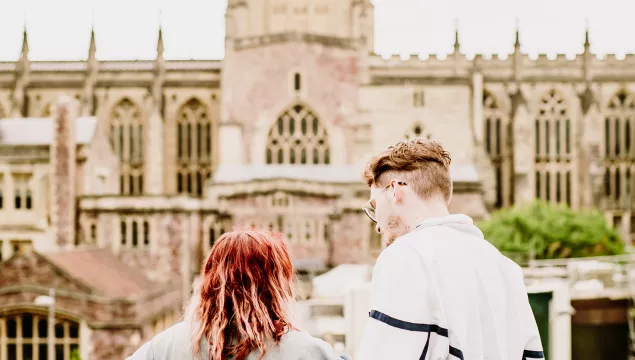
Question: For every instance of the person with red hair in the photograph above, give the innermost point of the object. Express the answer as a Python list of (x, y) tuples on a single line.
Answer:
[(240, 309)]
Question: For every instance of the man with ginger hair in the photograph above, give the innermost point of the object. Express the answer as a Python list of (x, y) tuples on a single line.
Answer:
[(439, 290)]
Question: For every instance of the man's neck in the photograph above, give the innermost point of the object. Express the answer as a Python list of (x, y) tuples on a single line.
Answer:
[(424, 211)]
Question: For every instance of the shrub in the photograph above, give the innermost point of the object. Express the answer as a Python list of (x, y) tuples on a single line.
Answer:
[(551, 232)]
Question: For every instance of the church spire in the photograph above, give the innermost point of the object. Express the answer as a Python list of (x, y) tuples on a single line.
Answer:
[(159, 72), (587, 56), (92, 48), (24, 54), (23, 67), (518, 57), (160, 47), (457, 43), (517, 40)]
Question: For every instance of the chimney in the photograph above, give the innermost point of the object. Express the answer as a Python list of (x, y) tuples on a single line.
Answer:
[(63, 172)]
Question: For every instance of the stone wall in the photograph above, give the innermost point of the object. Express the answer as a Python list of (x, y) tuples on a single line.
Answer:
[(114, 344), (350, 245), (301, 218), (162, 262)]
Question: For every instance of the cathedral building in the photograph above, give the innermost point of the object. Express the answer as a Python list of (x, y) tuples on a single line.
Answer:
[(114, 193)]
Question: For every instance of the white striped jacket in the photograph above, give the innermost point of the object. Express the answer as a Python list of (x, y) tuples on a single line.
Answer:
[(442, 292)]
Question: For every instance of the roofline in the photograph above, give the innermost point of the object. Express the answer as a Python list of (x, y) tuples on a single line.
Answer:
[(91, 292), (61, 271), (102, 299), (31, 307)]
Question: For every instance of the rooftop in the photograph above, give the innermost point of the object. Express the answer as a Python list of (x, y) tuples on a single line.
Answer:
[(101, 270)]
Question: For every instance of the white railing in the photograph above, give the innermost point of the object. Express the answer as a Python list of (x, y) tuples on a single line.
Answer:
[(601, 276), (339, 321), (615, 259)]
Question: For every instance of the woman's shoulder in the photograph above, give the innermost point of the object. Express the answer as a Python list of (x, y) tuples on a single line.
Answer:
[(172, 342), (301, 345)]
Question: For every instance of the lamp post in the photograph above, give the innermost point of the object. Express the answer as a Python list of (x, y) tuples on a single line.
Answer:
[(50, 302)]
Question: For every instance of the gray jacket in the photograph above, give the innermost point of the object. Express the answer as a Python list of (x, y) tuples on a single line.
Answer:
[(174, 344)]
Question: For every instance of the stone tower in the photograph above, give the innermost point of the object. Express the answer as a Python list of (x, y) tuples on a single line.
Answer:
[(284, 53)]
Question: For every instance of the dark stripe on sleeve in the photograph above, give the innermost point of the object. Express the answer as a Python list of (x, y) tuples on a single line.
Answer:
[(404, 325), (456, 353), (533, 354), (409, 326)]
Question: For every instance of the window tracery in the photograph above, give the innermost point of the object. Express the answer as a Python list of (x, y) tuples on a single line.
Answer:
[(135, 232), (194, 148), (25, 336), (298, 137), (619, 125), (553, 149), (126, 137)]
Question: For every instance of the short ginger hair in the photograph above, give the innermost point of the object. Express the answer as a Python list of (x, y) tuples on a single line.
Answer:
[(423, 164)]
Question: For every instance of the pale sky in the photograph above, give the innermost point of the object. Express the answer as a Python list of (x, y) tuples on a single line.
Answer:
[(194, 29)]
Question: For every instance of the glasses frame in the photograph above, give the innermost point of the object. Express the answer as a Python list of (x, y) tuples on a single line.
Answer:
[(369, 210)]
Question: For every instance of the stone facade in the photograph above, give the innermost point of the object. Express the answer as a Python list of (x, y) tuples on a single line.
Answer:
[(275, 135)]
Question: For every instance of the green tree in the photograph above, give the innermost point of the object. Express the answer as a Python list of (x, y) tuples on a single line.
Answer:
[(551, 232), (75, 354)]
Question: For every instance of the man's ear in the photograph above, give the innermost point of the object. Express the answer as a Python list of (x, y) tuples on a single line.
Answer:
[(398, 194)]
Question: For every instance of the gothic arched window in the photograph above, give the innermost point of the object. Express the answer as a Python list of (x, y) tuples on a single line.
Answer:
[(553, 127), (493, 124), (126, 138), (496, 134), (619, 125), (553, 148), (194, 134), (298, 137)]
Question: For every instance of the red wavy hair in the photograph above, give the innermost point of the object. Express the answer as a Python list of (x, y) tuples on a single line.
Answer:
[(244, 294)]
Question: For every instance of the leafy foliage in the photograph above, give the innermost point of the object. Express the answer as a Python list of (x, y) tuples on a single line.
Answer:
[(552, 232), (75, 354)]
